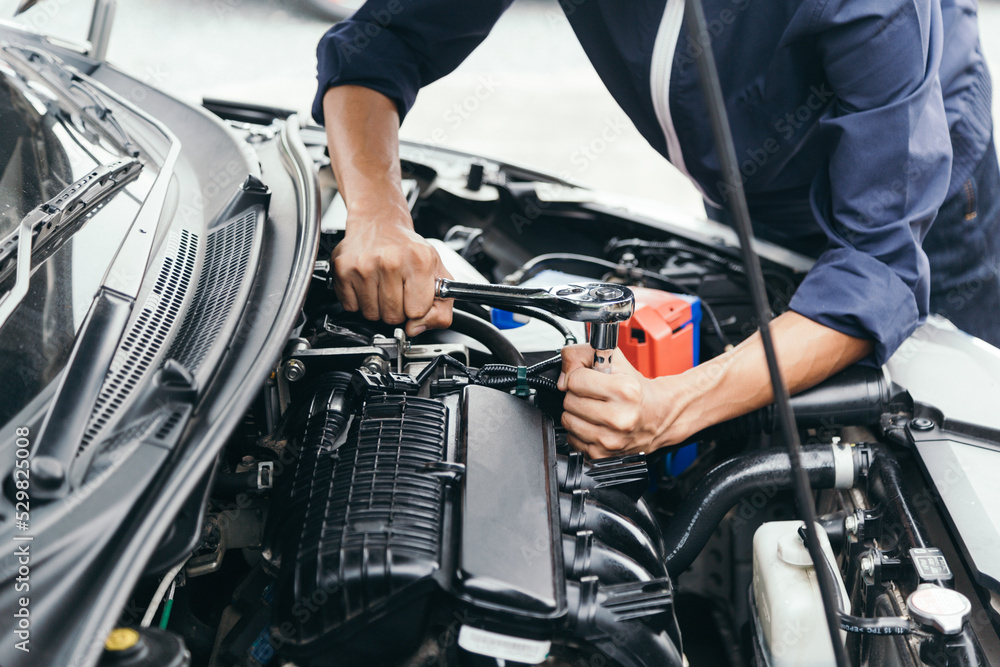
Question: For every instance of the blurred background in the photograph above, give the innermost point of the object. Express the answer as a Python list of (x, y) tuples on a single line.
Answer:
[(527, 95)]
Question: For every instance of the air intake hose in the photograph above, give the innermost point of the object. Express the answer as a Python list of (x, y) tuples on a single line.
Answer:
[(499, 346), (857, 395), (828, 467)]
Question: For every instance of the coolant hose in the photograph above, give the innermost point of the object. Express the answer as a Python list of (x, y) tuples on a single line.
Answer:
[(543, 316), (885, 489), (487, 334), (767, 471)]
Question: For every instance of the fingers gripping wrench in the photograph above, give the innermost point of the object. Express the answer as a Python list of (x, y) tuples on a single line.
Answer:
[(603, 305)]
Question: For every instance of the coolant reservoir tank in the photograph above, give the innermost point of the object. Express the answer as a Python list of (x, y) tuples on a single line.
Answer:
[(791, 624)]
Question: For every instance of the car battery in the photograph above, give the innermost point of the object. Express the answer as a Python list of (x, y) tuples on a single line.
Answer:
[(662, 336)]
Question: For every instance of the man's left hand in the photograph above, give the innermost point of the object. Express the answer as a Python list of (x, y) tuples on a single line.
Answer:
[(610, 414)]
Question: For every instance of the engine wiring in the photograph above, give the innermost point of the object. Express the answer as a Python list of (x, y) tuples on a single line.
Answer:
[(166, 584), (167, 606), (708, 75), (497, 375), (502, 376), (881, 625)]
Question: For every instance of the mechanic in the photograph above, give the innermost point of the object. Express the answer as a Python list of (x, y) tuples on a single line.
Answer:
[(854, 122)]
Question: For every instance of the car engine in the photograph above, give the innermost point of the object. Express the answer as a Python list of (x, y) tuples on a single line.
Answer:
[(395, 501)]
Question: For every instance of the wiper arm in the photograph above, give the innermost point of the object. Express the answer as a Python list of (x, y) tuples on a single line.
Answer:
[(62, 80), (51, 220)]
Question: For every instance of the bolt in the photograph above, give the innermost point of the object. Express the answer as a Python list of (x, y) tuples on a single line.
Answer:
[(921, 424), (867, 565), (608, 293), (294, 370), (375, 364), (851, 525)]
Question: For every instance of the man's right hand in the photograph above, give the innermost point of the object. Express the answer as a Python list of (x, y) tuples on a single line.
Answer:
[(387, 271), (382, 267)]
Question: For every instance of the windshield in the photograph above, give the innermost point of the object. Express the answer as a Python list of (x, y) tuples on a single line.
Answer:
[(40, 155), (35, 166)]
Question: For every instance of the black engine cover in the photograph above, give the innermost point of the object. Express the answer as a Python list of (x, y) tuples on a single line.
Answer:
[(431, 508)]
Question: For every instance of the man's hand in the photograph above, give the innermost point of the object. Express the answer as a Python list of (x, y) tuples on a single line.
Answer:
[(387, 271), (624, 412), (612, 414), (382, 267)]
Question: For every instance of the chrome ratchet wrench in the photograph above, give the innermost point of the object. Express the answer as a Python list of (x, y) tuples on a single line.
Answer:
[(602, 305)]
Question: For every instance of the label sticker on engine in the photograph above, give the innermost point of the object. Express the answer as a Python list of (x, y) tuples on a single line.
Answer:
[(504, 647)]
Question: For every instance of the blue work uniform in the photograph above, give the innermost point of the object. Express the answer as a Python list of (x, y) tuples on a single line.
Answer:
[(854, 123)]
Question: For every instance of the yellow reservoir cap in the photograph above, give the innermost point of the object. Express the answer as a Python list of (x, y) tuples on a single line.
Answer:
[(121, 639)]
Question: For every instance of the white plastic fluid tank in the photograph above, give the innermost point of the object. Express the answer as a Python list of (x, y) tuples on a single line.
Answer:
[(791, 624)]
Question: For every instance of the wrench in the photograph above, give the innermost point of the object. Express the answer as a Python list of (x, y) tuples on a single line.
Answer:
[(603, 305)]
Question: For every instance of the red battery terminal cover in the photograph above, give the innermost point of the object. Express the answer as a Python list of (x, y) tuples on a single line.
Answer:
[(661, 338)]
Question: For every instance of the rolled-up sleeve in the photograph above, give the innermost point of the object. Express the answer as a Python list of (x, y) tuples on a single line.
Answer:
[(396, 47), (888, 170)]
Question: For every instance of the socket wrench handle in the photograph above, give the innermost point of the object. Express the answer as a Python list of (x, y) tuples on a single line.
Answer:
[(603, 305)]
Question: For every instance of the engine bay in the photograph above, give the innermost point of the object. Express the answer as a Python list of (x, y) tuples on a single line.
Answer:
[(397, 501)]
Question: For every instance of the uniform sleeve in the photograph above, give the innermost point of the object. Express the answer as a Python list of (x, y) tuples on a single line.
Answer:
[(398, 46), (888, 170)]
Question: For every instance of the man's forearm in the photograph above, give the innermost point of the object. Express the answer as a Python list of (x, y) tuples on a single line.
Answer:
[(362, 128), (381, 267), (738, 382)]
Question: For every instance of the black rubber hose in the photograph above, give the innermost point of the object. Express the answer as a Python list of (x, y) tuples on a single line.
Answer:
[(487, 334), (901, 528), (548, 318), (482, 312), (703, 508)]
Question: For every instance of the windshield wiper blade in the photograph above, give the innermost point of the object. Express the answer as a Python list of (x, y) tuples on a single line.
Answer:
[(62, 81), (51, 220)]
